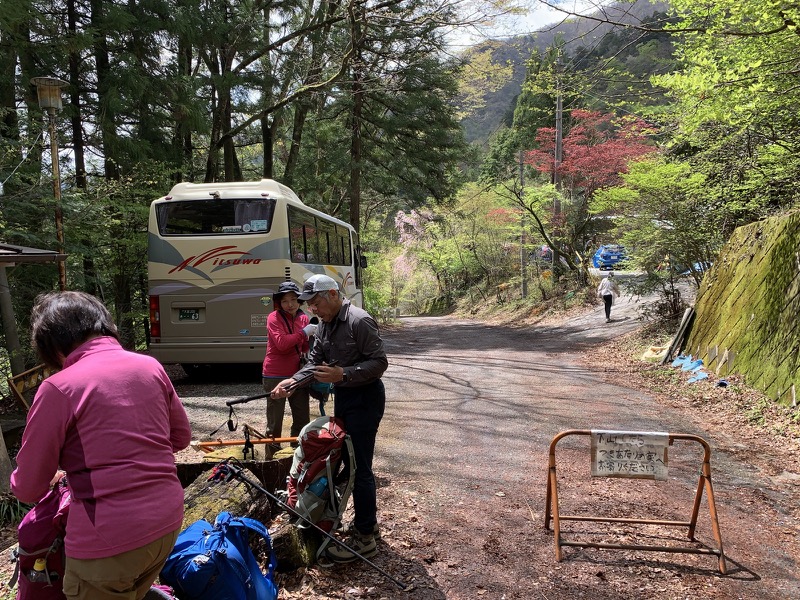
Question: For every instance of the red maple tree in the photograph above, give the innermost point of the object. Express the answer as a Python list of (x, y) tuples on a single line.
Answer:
[(595, 151)]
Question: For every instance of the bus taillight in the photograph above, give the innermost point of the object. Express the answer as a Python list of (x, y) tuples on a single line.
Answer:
[(155, 318)]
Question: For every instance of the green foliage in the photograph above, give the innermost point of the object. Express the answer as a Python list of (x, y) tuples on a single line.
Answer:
[(665, 216), (734, 95), (482, 75), (11, 510), (468, 245)]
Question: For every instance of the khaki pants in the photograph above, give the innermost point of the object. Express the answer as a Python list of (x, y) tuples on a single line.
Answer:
[(125, 576)]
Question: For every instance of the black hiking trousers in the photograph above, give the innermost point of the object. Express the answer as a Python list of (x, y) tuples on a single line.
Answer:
[(608, 300), (361, 410)]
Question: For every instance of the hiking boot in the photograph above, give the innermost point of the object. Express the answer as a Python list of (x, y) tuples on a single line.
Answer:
[(365, 545), (351, 530)]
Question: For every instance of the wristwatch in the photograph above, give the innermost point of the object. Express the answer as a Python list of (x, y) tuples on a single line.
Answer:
[(344, 376)]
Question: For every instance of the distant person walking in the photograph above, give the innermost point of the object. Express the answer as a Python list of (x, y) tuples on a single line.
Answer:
[(608, 290)]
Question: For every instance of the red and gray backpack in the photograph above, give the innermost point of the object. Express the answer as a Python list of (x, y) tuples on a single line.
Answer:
[(319, 484), (41, 538)]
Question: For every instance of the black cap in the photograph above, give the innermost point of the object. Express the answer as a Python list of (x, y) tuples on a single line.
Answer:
[(284, 288)]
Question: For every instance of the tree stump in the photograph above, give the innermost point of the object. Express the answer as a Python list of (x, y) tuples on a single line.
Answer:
[(294, 547), (204, 499)]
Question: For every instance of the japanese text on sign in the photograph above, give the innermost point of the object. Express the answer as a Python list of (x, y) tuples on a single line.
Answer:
[(634, 454)]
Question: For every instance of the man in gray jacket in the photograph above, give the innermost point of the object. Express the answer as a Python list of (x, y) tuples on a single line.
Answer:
[(349, 354)]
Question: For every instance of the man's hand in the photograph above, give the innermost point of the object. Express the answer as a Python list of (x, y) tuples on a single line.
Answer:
[(328, 374), (280, 391)]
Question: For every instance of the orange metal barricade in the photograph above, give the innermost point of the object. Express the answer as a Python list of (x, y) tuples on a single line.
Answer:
[(704, 484)]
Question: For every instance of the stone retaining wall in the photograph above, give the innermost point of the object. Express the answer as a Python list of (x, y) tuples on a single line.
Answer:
[(749, 305)]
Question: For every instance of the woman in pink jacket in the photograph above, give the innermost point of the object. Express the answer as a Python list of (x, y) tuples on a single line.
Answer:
[(288, 333), (112, 421)]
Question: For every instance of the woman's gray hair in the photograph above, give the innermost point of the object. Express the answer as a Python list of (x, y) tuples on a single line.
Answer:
[(62, 321)]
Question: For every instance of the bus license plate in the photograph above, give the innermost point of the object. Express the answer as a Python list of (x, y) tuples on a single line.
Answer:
[(188, 314)]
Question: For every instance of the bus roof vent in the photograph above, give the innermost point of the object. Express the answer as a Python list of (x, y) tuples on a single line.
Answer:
[(288, 192)]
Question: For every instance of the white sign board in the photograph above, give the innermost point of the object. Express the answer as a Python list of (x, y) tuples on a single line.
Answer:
[(633, 454)]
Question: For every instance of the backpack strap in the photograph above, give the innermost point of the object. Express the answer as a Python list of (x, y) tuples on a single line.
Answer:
[(16, 552), (15, 575), (340, 504), (261, 530), (308, 509), (291, 330), (236, 561)]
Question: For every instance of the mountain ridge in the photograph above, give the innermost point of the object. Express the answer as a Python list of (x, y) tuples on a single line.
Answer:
[(577, 32)]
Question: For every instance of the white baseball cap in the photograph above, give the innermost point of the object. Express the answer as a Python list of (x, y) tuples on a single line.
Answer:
[(316, 284)]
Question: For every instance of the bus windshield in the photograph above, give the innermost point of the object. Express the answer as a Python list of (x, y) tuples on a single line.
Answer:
[(215, 216)]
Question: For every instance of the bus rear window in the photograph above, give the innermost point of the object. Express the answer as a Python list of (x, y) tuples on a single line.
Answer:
[(215, 217)]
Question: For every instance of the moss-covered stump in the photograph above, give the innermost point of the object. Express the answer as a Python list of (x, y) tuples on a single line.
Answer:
[(270, 474), (294, 547), (205, 499)]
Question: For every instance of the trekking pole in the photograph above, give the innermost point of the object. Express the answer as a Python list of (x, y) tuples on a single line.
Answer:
[(225, 470), (243, 400)]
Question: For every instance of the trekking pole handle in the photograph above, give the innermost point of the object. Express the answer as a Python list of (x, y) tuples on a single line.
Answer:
[(243, 400), (306, 378)]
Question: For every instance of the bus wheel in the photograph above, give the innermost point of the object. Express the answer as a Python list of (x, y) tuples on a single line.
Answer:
[(196, 370)]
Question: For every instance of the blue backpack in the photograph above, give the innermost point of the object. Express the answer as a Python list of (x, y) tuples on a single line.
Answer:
[(216, 563)]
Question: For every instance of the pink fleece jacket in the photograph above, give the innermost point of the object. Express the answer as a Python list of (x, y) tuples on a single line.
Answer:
[(284, 342), (112, 420)]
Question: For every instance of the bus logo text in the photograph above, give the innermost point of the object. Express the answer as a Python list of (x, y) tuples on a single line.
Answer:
[(216, 255)]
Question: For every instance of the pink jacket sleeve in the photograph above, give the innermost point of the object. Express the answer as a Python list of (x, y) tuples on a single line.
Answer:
[(45, 431), (180, 434)]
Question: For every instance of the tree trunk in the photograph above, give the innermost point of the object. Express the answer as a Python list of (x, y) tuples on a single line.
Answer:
[(105, 92), (300, 113), (266, 148), (355, 150), (17, 366), (204, 499)]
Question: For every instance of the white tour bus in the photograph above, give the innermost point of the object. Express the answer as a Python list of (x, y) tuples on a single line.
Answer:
[(216, 254)]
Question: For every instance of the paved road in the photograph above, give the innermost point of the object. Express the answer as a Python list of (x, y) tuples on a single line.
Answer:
[(472, 409), (462, 460)]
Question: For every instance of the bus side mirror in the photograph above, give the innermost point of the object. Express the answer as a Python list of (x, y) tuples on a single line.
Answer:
[(362, 261)]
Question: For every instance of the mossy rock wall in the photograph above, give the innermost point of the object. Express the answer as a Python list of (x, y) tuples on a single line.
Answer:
[(749, 304)]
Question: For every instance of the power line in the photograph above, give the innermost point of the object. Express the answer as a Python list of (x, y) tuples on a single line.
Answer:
[(24, 158)]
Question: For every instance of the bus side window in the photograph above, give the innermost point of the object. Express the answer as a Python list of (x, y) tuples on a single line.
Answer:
[(338, 254), (303, 233), (326, 232)]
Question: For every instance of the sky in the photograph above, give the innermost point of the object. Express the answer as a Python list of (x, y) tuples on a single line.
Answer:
[(538, 17)]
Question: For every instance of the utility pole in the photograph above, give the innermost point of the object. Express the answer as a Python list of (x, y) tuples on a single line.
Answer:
[(49, 93), (523, 263), (559, 136)]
